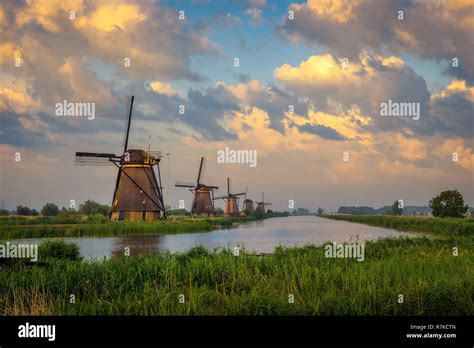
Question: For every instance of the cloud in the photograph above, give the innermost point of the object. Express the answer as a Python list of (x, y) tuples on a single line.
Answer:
[(322, 131), (454, 107), (465, 156), (58, 55), (162, 88), (438, 30), (109, 30), (253, 9), (255, 15), (333, 86), (20, 130)]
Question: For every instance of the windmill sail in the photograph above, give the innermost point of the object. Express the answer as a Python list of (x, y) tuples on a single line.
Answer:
[(94, 159), (231, 201), (202, 202), (137, 193), (128, 121), (261, 205)]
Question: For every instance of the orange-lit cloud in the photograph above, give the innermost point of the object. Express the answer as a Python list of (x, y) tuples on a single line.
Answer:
[(162, 88)]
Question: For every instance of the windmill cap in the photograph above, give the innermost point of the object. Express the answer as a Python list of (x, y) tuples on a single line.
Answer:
[(137, 157)]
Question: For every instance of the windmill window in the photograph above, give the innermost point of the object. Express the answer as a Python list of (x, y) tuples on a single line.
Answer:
[(116, 202), (143, 202)]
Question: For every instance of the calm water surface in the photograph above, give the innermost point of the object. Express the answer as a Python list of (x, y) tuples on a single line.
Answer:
[(259, 236)]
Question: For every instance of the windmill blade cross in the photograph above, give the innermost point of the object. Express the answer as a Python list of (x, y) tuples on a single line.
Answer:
[(130, 100), (222, 197), (184, 184), (199, 173), (94, 159)]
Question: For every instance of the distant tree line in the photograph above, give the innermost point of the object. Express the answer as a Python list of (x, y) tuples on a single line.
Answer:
[(89, 207), (300, 211), (447, 204)]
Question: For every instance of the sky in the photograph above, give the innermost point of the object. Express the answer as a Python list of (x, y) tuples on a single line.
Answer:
[(306, 95)]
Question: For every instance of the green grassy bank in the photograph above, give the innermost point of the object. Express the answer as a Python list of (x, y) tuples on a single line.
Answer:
[(444, 226), (431, 279), (117, 228)]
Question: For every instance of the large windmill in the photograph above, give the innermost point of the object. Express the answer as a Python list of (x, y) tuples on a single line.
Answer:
[(247, 206), (261, 205), (137, 195), (231, 203), (202, 202)]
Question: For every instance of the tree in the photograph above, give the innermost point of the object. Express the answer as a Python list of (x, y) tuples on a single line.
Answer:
[(397, 208), (91, 207), (302, 211), (67, 211), (4, 212), (320, 211), (448, 204), (219, 211), (50, 209), (258, 213), (21, 210), (182, 212)]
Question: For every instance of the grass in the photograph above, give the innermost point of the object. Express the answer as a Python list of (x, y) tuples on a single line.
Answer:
[(431, 279), (52, 220), (116, 228), (444, 226)]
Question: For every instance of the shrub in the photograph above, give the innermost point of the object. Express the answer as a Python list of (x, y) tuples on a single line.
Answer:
[(448, 204), (50, 209), (59, 249)]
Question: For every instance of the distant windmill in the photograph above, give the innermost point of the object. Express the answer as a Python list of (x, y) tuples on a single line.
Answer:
[(137, 195), (247, 207), (202, 203), (261, 205), (231, 204)]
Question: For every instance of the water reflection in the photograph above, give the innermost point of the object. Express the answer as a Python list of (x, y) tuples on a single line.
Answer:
[(259, 236), (136, 245)]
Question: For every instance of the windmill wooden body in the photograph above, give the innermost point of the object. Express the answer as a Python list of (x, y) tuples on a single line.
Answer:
[(137, 194), (247, 206), (203, 204), (231, 201), (261, 205)]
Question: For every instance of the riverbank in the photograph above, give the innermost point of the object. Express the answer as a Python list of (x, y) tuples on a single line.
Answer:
[(424, 271), (106, 228), (443, 226)]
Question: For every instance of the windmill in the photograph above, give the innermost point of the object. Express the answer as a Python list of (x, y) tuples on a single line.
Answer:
[(202, 202), (137, 195), (247, 207), (261, 205), (231, 204)]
